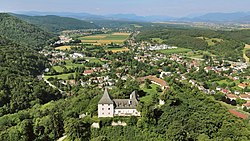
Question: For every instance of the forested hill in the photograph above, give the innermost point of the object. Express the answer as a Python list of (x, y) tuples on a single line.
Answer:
[(19, 67), (56, 23), (23, 33)]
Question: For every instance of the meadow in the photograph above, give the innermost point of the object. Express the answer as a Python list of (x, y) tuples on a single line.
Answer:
[(211, 41), (247, 47), (177, 50)]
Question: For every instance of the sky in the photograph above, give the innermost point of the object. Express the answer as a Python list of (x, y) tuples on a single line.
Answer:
[(174, 8)]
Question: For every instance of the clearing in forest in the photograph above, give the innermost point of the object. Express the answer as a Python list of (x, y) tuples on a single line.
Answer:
[(247, 47), (211, 41)]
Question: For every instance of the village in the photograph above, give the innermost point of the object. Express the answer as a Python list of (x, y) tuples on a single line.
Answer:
[(141, 62)]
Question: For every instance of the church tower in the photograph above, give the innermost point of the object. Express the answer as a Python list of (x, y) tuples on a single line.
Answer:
[(105, 106)]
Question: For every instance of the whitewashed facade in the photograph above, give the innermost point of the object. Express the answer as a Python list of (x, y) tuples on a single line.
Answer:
[(117, 107)]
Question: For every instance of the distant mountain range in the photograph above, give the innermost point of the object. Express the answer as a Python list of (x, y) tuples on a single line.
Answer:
[(236, 17)]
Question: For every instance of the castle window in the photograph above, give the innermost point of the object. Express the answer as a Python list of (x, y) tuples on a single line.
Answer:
[(103, 113), (108, 108), (109, 113), (102, 104), (102, 108), (108, 104)]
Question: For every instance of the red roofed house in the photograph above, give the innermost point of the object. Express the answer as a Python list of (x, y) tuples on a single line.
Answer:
[(154, 80), (88, 72), (242, 86)]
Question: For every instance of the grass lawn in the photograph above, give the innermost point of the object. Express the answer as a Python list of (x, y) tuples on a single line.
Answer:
[(177, 50), (247, 47), (61, 76), (58, 68), (69, 64), (94, 60), (149, 92)]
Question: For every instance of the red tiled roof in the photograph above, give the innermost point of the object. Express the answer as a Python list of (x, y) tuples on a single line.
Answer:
[(238, 114), (247, 104), (155, 79), (242, 85), (88, 71)]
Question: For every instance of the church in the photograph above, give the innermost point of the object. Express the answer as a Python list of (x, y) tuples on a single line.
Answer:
[(118, 107)]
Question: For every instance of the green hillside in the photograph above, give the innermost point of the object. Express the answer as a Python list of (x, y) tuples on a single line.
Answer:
[(56, 23), (22, 32)]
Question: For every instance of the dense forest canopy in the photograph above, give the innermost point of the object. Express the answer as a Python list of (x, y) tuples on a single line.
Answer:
[(22, 32), (56, 23)]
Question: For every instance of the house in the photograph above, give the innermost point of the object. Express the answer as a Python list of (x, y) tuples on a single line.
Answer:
[(154, 80), (242, 86), (232, 96), (117, 107), (247, 105), (245, 96), (88, 72)]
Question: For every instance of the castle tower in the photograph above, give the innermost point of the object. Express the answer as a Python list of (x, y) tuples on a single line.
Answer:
[(105, 106)]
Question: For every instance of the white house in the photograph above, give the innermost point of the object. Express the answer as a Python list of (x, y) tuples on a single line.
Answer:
[(117, 107)]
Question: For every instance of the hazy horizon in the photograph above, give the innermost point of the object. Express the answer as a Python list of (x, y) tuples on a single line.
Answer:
[(178, 8)]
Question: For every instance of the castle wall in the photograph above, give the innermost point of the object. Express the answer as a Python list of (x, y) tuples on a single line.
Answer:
[(126, 112), (105, 110)]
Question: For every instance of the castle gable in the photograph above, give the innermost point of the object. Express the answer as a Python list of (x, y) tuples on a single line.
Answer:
[(105, 98)]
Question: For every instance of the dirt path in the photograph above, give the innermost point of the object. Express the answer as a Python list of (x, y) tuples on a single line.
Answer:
[(247, 47), (62, 138)]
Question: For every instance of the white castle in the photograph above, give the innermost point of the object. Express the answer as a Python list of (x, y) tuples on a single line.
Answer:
[(117, 107)]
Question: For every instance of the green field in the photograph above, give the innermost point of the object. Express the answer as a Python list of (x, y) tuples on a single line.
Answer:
[(61, 76), (178, 50), (247, 47), (211, 41), (58, 68), (157, 40), (150, 92), (94, 60)]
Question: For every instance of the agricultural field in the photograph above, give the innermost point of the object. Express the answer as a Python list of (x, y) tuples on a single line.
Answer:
[(117, 49), (100, 39), (247, 47), (63, 48), (211, 41), (177, 50)]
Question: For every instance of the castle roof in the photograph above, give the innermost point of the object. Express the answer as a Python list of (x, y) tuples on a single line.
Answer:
[(105, 98), (131, 103)]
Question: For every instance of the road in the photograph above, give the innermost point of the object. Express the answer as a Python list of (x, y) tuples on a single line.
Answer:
[(51, 85), (62, 138)]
